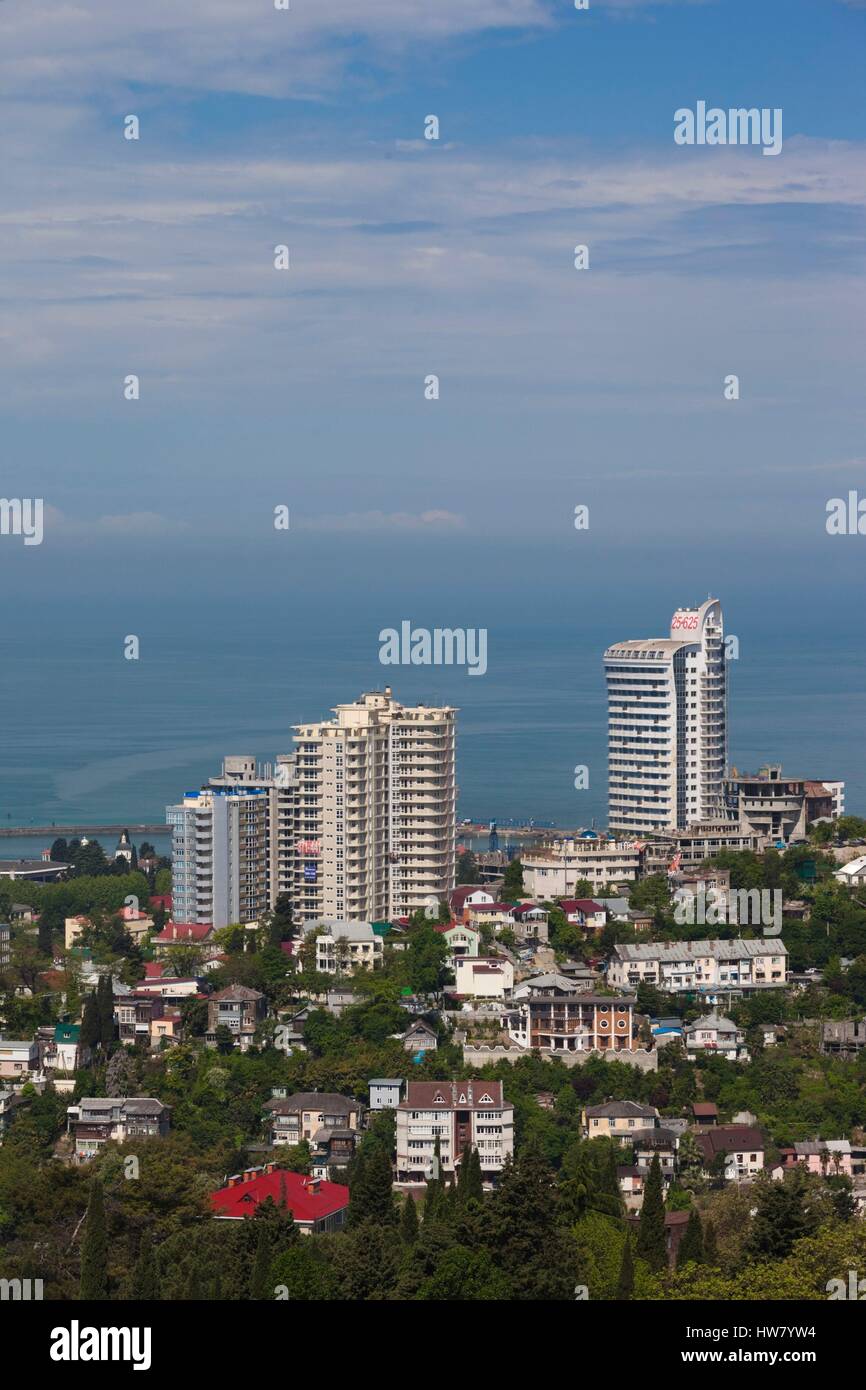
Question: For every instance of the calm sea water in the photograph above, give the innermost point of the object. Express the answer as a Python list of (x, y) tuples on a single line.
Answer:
[(88, 736)]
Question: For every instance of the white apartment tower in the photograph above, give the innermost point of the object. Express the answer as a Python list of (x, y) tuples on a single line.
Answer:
[(667, 733), (375, 803)]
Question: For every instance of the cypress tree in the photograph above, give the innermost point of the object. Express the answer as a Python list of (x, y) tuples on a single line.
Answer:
[(193, 1291), (371, 1196), (94, 1248), (692, 1244), (651, 1230), (409, 1221), (470, 1184), (259, 1283), (145, 1276), (711, 1249), (90, 1022), (625, 1286)]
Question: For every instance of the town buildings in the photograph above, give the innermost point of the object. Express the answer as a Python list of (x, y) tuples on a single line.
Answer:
[(483, 977), (667, 731), (96, 1120), (618, 1119), (344, 947), (375, 810), (719, 1036), (318, 1207), (549, 1012), (357, 823), (5, 944), (734, 1151), (19, 1059), (456, 1114), (239, 1009), (779, 809), (554, 869), (706, 967), (220, 855)]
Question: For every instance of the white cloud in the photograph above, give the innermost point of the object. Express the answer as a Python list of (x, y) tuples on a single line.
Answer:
[(226, 45), (129, 525), (435, 520)]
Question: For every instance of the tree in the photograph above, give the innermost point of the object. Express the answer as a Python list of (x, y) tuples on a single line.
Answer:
[(691, 1247), (94, 1248), (144, 1286), (409, 1221), (470, 1184), (781, 1218), (711, 1249), (371, 1199), (467, 867), (260, 1286), (651, 1245), (512, 882), (538, 1258), (427, 953), (625, 1287)]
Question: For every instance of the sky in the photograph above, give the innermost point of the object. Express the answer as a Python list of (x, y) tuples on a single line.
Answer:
[(305, 388)]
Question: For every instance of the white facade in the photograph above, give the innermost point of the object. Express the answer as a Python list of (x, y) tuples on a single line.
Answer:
[(457, 1114), (853, 874), (676, 966), (554, 869), (667, 741), (345, 947), (483, 977), (374, 810), (220, 860)]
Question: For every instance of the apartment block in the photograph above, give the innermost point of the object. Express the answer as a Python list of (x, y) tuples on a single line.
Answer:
[(700, 966), (457, 1114), (554, 869), (667, 731), (220, 855), (375, 800), (779, 809)]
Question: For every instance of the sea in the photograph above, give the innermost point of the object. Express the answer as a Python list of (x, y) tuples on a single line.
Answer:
[(90, 737)]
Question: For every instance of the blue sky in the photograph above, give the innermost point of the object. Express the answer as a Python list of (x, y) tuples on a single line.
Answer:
[(412, 257)]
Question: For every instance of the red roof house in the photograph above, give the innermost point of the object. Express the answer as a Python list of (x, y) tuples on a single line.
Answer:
[(316, 1205)]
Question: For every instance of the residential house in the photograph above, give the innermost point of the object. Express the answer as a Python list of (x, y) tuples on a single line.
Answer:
[(531, 922), (97, 1120), (495, 915), (584, 912), (239, 1009), (198, 934), (655, 1141), (466, 896), (743, 1148), (852, 874), (386, 1092), (714, 1035), (844, 1039), (420, 1037), (549, 1012), (483, 977), (457, 1114), (318, 1207), (19, 1059), (462, 940), (618, 1119), (344, 947), (705, 1112), (299, 1117)]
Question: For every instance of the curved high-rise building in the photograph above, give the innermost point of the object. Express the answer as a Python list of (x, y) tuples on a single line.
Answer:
[(667, 728)]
